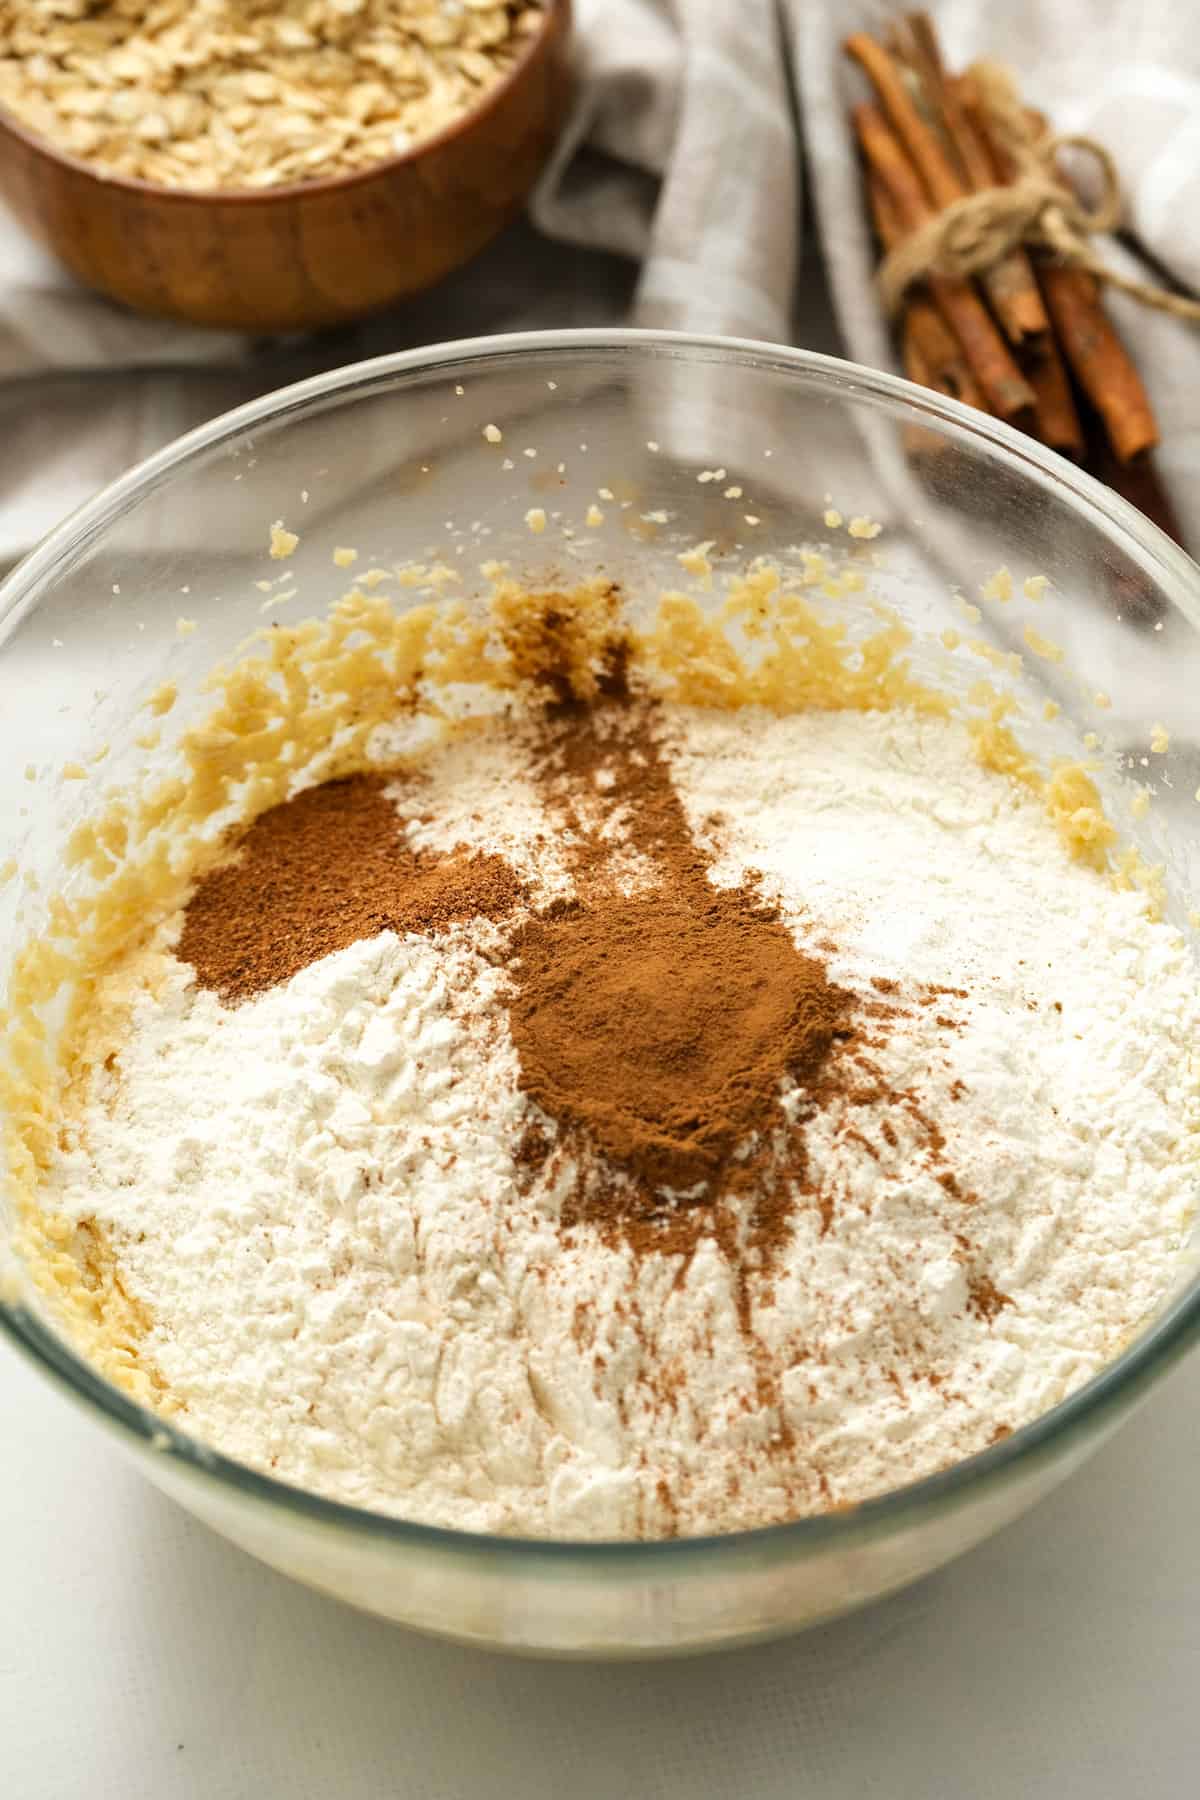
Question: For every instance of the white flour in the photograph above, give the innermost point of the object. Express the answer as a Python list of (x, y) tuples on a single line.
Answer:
[(314, 1192)]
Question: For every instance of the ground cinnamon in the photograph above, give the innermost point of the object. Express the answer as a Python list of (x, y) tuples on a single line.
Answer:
[(657, 1026), (1007, 392), (320, 872)]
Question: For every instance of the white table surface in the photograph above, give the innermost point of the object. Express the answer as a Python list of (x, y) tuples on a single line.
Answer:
[(142, 1658)]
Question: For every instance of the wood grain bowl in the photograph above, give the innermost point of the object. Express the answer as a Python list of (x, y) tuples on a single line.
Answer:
[(313, 254)]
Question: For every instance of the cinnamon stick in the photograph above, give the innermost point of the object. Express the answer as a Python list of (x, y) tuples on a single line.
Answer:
[(932, 355), (1139, 483), (923, 337), (916, 363), (920, 444), (1010, 285), (1091, 344), (949, 373), (1055, 415), (925, 52), (933, 166), (1100, 361), (1007, 392)]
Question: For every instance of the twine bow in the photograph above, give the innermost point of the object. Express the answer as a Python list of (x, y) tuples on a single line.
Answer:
[(1035, 208)]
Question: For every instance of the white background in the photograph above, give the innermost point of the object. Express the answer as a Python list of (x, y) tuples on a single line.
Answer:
[(142, 1658)]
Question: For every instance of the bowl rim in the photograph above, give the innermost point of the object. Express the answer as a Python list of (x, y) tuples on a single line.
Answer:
[(1173, 1329), (556, 17)]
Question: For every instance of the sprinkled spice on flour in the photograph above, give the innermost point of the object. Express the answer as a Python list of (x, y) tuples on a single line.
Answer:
[(657, 1018), (656, 1027), (627, 1118)]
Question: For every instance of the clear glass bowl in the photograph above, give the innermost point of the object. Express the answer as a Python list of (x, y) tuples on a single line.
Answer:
[(390, 457)]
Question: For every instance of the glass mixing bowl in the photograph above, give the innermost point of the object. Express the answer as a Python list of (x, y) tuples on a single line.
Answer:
[(748, 446)]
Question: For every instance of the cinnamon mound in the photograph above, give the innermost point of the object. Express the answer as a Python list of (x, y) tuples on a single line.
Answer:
[(656, 1027), (320, 872), (663, 1026)]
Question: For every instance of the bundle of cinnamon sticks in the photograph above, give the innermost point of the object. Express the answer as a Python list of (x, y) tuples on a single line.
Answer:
[(1029, 339)]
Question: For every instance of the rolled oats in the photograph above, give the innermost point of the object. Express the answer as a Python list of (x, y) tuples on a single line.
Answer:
[(250, 93)]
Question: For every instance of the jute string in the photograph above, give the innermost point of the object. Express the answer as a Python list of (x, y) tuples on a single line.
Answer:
[(1035, 208)]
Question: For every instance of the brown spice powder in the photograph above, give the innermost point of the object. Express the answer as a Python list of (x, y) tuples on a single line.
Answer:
[(986, 1299), (320, 872), (663, 1025), (657, 1026)]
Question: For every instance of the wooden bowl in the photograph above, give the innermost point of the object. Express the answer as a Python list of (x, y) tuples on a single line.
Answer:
[(314, 253)]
